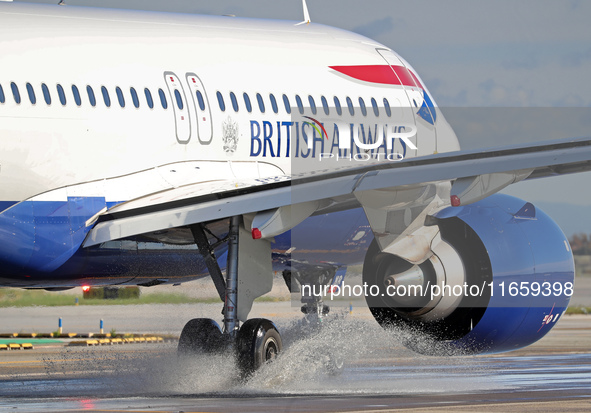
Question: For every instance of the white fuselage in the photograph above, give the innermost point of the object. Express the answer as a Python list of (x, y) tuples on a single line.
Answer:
[(48, 147)]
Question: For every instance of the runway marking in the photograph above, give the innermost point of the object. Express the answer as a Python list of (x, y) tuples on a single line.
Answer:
[(498, 406), (21, 362), (128, 411)]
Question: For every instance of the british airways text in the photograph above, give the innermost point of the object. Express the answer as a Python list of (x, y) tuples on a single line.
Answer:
[(339, 140)]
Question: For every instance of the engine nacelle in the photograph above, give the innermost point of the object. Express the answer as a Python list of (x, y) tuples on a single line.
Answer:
[(499, 279)]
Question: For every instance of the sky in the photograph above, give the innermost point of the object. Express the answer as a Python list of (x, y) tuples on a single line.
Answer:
[(503, 72), (508, 53)]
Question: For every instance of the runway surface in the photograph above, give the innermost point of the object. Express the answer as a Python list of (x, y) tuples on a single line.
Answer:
[(379, 374)]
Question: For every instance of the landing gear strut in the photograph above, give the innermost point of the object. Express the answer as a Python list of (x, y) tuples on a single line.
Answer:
[(257, 341), (310, 281)]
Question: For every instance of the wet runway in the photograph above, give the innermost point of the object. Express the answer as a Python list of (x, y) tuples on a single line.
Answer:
[(379, 375)]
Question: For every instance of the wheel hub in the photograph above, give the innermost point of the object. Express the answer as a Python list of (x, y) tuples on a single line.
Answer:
[(271, 351)]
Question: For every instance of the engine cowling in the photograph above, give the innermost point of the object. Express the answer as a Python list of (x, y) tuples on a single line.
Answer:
[(509, 273)]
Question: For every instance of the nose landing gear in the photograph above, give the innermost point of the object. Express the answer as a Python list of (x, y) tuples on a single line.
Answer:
[(313, 282)]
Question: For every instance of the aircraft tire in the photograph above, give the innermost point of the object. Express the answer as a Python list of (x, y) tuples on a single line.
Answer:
[(335, 365), (257, 343), (200, 336)]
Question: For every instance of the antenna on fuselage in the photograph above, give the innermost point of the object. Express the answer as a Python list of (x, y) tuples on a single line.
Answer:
[(306, 14), (62, 3)]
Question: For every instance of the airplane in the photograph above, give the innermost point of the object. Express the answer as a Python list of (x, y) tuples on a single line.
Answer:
[(143, 148)]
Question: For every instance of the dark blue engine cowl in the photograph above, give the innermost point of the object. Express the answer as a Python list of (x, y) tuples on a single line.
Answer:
[(518, 264)]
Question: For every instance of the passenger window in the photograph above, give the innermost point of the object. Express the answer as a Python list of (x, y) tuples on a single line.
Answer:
[(149, 99), (362, 106), (325, 105), (179, 99), (106, 97), (120, 96), (46, 94), (15, 93), (134, 98), (273, 103), (312, 104), (287, 104), (300, 104), (163, 100), (374, 104), (350, 106), (31, 93), (61, 94), (337, 105), (200, 100), (221, 102), (261, 103), (2, 97), (76, 94), (91, 97), (387, 107), (247, 102), (234, 101)]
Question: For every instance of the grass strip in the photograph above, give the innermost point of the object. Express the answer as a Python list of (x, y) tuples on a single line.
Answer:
[(578, 310), (29, 298), (28, 340)]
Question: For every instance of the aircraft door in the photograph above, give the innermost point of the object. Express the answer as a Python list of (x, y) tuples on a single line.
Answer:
[(202, 109), (178, 101)]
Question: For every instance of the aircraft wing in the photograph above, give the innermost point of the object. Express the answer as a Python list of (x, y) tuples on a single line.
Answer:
[(199, 202)]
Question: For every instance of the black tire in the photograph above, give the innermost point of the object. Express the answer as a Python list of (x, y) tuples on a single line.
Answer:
[(257, 343), (200, 336), (335, 365)]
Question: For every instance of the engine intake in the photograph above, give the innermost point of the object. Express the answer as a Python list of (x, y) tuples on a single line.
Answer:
[(499, 279)]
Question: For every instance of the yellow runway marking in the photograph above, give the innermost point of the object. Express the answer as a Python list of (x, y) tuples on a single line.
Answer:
[(132, 411), (20, 362)]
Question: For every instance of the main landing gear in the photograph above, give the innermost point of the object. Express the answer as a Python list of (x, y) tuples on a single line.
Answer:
[(257, 341)]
